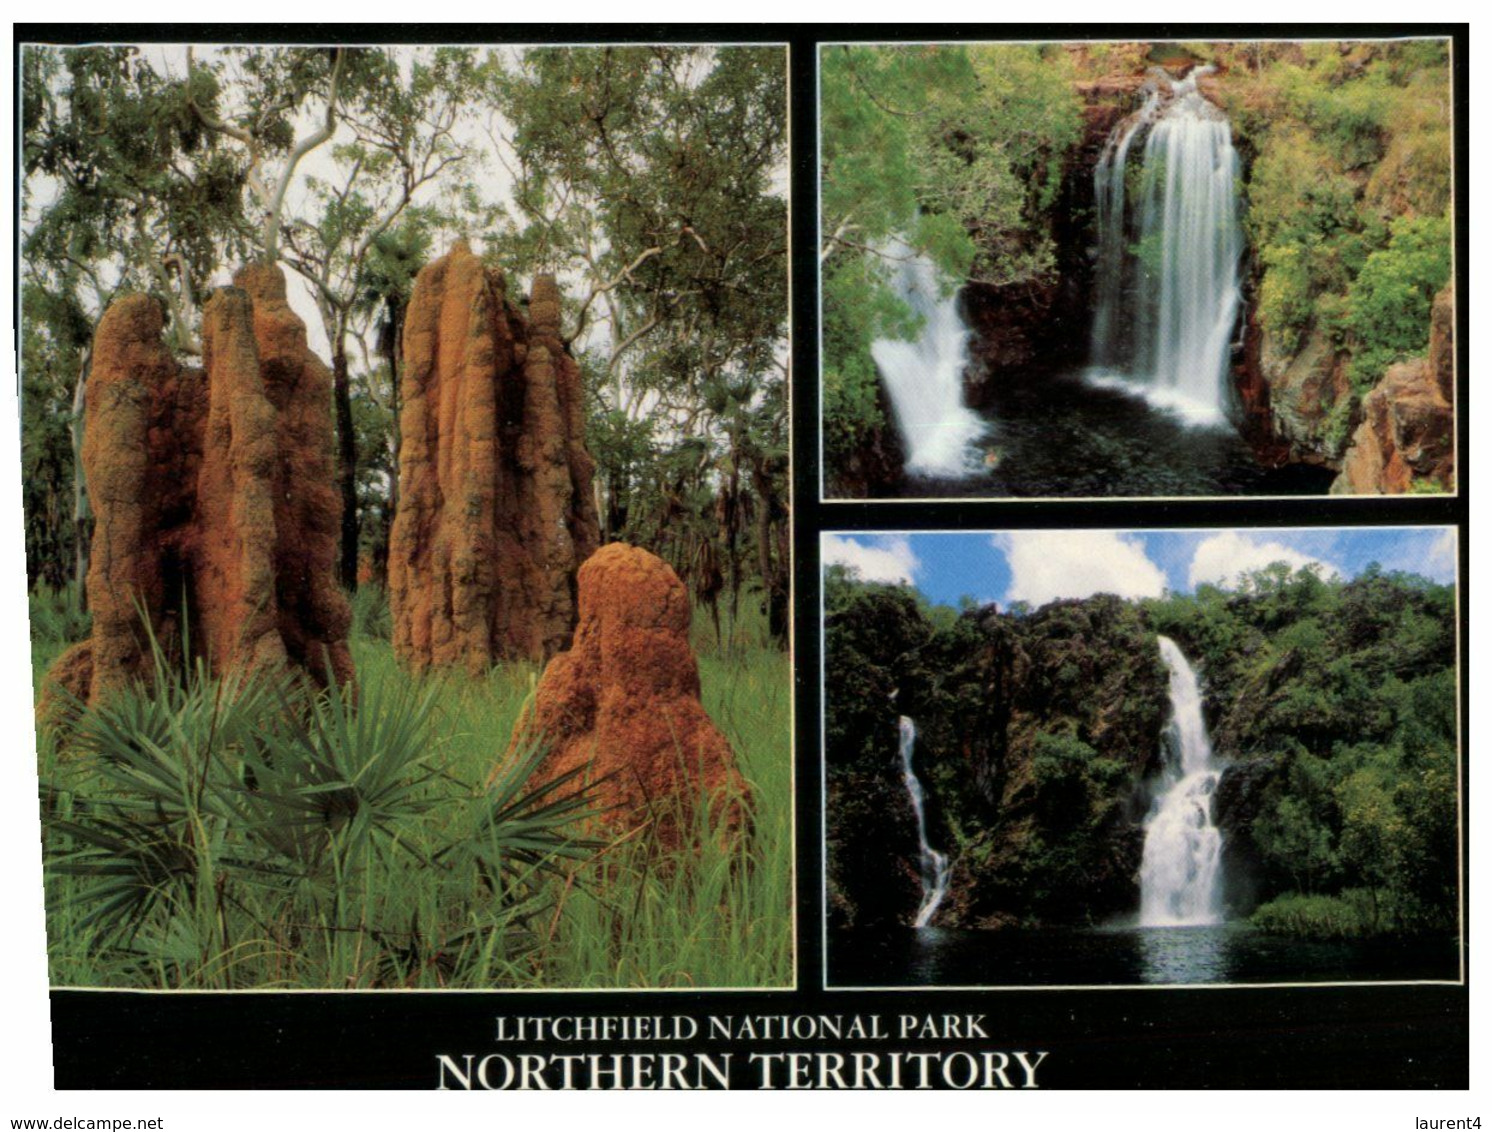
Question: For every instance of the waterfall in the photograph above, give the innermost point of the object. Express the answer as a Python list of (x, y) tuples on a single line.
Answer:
[(1179, 872), (1167, 276), (925, 377), (932, 865)]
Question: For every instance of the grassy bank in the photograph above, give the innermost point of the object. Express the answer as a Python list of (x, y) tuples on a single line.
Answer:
[(227, 836)]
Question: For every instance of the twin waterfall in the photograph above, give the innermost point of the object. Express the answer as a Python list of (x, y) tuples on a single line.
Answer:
[(925, 377), (1179, 873), (1180, 870), (932, 865), (1167, 285)]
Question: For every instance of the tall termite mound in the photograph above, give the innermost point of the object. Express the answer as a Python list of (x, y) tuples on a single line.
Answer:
[(215, 517), (495, 508), (624, 702)]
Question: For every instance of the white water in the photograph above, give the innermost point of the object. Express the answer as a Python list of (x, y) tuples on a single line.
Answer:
[(1167, 280), (925, 377), (932, 865), (1180, 870)]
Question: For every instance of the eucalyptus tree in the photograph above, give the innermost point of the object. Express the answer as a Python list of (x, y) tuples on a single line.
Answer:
[(400, 135), (653, 179), (259, 98), (393, 261), (122, 189)]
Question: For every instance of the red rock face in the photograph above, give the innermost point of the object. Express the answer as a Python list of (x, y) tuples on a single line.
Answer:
[(624, 701), (495, 506), (1408, 431), (1443, 342), (210, 491)]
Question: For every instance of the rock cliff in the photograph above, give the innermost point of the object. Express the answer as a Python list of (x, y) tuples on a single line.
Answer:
[(1407, 436), (1035, 735)]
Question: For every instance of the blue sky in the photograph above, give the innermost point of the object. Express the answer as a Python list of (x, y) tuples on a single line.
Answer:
[(1042, 566)]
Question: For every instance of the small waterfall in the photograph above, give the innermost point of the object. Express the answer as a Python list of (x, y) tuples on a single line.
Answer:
[(1179, 873), (925, 377), (932, 865), (1167, 276)]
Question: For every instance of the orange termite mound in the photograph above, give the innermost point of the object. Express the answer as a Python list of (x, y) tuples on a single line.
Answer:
[(624, 702), (495, 508), (212, 495)]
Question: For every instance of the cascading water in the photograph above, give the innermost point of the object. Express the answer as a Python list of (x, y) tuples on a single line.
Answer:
[(1180, 869), (925, 377), (1167, 276), (932, 865)]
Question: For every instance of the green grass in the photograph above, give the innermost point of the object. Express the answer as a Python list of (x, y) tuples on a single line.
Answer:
[(228, 836), (57, 620), (1353, 913)]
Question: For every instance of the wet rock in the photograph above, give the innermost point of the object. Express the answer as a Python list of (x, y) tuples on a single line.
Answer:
[(1241, 791), (496, 510), (1307, 392), (624, 702), (210, 489)]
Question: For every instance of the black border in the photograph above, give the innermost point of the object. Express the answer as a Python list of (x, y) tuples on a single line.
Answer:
[(1308, 1037)]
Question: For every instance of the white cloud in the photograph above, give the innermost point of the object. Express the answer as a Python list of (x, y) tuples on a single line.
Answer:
[(1440, 560), (1222, 557), (1046, 565), (885, 558)]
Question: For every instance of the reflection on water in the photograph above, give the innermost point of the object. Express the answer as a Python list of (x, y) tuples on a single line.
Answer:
[(1183, 955), (1056, 434), (1128, 956)]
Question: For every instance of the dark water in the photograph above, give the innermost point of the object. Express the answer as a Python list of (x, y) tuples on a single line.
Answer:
[(1226, 953), (1053, 434)]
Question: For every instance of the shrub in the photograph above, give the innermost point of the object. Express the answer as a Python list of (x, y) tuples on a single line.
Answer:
[(1285, 302), (57, 615), (1347, 916), (220, 833), (1389, 302), (370, 613)]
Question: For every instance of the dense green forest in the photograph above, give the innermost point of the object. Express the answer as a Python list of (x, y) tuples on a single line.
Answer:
[(982, 158), (650, 180), (1331, 703)]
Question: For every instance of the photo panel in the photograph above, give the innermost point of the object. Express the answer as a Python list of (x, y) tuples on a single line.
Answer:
[(1081, 759), (1143, 269), (406, 481)]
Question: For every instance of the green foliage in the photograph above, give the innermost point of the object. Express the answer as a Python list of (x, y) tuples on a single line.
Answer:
[(1335, 701), (1028, 776), (222, 834), (650, 180), (1349, 179), (1286, 298), (58, 617), (857, 309), (654, 176), (371, 618), (955, 151), (1347, 690), (1346, 916), (1389, 302)]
